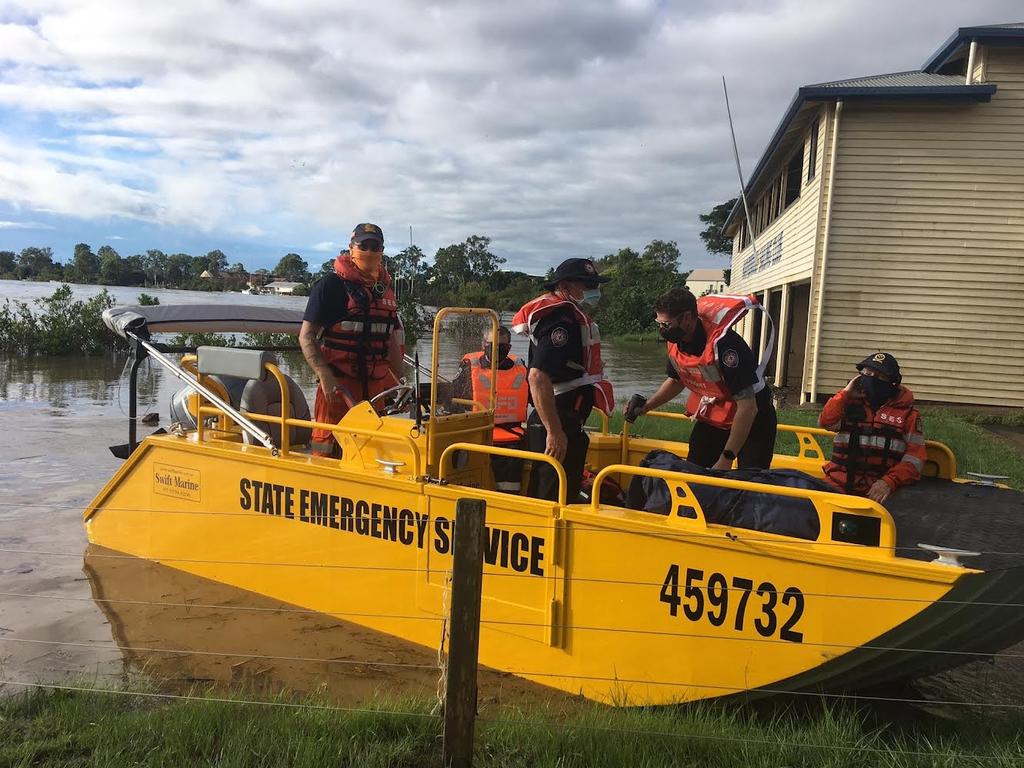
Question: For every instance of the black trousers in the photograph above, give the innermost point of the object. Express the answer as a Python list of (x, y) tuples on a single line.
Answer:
[(543, 479), (707, 442), (508, 472)]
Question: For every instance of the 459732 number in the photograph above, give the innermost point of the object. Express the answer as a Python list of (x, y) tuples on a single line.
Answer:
[(711, 601)]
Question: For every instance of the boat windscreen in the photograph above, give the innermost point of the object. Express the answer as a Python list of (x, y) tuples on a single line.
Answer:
[(201, 318)]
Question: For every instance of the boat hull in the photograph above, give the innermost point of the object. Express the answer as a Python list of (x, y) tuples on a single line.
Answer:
[(621, 607)]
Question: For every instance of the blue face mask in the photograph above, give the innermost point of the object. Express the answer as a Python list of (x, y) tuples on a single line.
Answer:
[(591, 296)]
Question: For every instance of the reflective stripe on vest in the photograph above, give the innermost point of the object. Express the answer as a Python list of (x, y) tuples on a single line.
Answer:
[(873, 441), (356, 325)]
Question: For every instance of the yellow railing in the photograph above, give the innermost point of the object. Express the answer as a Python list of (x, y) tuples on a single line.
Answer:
[(809, 447), (286, 423), (514, 453), (825, 504)]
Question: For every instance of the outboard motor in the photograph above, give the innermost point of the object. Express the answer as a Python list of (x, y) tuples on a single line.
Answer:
[(182, 414)]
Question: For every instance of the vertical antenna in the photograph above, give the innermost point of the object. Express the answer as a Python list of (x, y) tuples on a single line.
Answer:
[(739, 172), (412, 277)]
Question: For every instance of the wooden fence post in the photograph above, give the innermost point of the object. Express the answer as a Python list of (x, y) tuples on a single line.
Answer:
[(464, 632)]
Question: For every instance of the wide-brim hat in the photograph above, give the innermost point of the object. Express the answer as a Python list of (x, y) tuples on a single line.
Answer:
[(576, 270)]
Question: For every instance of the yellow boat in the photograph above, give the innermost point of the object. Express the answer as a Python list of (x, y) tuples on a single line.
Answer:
[(619, 605)]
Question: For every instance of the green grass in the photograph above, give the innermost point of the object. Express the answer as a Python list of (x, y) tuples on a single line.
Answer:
[(976, 449), (96, 728)]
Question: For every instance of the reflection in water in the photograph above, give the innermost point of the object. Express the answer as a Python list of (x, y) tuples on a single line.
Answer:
[(182, 630), (61, 382)]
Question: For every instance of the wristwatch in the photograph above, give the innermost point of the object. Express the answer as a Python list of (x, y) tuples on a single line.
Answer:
[(730, 455)]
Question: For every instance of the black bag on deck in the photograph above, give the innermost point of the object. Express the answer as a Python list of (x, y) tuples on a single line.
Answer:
[(728, 506)]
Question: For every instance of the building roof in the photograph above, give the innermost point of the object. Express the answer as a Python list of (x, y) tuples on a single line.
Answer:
[(990, 33), (281, 284), (913, 78), (923, 84), (708, 275)]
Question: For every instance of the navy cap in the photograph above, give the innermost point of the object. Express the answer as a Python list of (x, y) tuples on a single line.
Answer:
[(367, 232), (576, 270), (882, 362)]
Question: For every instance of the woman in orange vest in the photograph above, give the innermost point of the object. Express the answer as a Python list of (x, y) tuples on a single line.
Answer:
[(879, 445), (473, 382), (566, 373), (360, 351), (729, 400)]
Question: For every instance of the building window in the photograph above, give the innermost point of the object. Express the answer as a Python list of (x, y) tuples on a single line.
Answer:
[(812, 159), (794, 176)]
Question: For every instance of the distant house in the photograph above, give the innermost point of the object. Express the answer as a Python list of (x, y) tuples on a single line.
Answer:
[(206, 274), (702, 281), (281, 287), (886, 215)]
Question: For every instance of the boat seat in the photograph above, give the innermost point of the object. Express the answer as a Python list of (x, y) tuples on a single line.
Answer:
[(261, 394)]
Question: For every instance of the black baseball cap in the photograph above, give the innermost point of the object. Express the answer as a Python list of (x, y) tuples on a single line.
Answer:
[(882, 362), (367, 232), (577, 270)]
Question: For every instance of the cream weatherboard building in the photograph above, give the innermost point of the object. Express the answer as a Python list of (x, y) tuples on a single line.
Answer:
[(888, 214), (702, 281)]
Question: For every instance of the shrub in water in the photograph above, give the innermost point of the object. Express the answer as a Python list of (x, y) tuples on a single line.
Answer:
[(60, 326)]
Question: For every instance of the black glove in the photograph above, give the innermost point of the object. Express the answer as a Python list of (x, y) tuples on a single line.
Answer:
[(633, 408)]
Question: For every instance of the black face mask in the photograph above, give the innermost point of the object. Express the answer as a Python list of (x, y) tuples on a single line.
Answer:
[(672, 335), (503, 350), (876, 391)]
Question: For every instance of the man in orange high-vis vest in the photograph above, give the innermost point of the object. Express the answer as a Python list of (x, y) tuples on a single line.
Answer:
[(473, 382), (351, 334), (879, 444), (566, 374), (729, 400)]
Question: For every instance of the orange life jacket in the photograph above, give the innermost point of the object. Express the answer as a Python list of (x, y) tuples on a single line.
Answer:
[(710, 400), (357, 345), (870, 445), (511, 393), (591, 367)]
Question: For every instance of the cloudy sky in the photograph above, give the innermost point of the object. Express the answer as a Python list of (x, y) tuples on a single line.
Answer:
[(558, 129)]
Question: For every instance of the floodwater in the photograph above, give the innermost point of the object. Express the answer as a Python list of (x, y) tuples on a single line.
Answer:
[(68, 612)]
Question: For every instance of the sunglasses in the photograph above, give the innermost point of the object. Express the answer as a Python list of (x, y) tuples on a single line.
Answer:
[(665, 326), (370, 245)]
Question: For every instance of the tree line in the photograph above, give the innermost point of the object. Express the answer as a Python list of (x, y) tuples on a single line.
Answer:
[(469, 274), (154, 268), (463, 274)]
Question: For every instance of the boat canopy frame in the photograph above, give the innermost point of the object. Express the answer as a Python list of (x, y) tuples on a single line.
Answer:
[(137, 324)]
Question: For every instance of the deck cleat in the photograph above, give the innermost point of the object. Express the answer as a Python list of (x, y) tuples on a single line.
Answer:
[(948, 555), (983, 479)]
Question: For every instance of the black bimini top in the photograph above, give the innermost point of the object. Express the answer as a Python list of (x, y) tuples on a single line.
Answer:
[(202, 318)]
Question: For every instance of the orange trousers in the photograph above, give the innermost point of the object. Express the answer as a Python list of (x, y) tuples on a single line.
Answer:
[(324, 442)]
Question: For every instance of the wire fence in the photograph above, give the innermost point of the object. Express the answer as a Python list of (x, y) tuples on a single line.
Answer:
[(489, 574), (690, 689), (578, 527), (506, 722)]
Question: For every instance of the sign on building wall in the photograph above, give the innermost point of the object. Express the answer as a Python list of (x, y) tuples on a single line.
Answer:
[(770, 253)]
